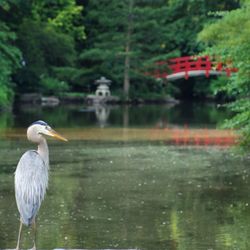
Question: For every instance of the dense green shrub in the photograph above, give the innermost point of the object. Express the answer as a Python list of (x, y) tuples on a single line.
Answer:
[(229, 37), (50, 86), (10, 60)]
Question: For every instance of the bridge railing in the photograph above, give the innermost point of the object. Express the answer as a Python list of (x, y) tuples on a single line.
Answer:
[(186, 64), (189, 63)]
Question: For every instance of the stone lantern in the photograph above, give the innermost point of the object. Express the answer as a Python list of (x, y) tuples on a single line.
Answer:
[(102, 94), (103, 87)]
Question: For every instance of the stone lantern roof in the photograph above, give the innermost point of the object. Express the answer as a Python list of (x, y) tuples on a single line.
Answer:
[(103, 80)]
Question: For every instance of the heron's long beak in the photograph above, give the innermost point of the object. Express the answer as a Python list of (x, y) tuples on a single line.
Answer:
[(54, 134)]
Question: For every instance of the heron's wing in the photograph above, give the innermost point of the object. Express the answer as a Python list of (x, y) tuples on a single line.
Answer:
[(31, 181)]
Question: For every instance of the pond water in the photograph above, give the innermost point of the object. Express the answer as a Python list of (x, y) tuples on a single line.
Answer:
[(121, 194), (207, 115)]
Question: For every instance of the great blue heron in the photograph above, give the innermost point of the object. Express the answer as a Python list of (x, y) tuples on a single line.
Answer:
[(31, 176)]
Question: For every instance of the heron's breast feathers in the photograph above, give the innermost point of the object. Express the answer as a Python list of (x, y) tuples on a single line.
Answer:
[(31, 178)]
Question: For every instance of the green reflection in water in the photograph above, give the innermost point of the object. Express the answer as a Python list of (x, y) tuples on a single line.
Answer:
[(127, 195), (191, 114), (6, 120)]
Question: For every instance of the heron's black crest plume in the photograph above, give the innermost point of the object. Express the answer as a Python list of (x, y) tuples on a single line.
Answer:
[(40, 123)]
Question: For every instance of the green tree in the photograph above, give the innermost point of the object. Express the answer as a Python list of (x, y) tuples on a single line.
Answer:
[(119, 41), (10, 59), (47, 33), (229, 38), (44, 50), (64, 15), (124, 37)]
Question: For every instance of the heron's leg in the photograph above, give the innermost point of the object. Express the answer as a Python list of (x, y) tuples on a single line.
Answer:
[(34, 234), (19, 235)]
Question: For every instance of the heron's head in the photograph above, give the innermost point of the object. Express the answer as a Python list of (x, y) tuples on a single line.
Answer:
[(38, 129)]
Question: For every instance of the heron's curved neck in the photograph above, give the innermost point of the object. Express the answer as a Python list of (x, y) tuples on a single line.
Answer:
[(43, 151)]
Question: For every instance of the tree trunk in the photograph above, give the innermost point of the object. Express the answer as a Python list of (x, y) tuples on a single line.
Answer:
[(126, 83)]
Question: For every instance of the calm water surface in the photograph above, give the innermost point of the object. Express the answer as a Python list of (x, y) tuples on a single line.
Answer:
[(191, 114), (134, 194)]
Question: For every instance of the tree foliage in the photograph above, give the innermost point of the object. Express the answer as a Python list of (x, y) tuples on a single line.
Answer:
[(64, 15), (123, 39), (10, 58), (46, 34), (43, 49), (229, 37), (159, 30)]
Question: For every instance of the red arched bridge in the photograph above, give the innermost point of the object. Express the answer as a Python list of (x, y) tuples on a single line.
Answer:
[(189, 66)]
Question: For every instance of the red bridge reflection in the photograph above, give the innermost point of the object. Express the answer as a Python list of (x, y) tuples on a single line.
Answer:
[(162, 132), (195, 136)]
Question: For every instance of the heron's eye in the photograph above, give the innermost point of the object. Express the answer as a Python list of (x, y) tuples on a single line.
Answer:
[(48, 127)]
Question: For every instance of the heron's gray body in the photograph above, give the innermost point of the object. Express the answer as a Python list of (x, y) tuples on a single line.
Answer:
[(31, 176), (31, 182)]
